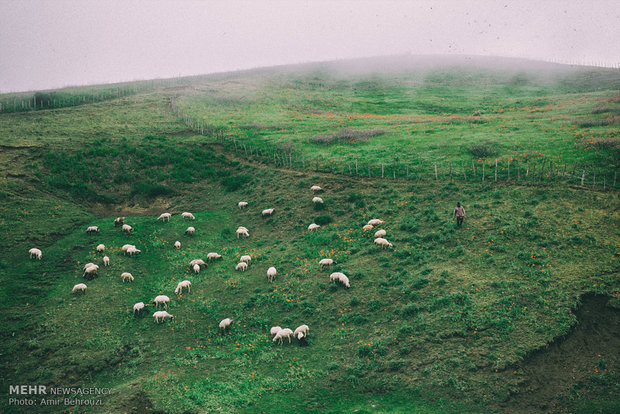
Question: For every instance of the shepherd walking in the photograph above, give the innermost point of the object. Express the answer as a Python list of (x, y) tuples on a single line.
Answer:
[(459, 213)]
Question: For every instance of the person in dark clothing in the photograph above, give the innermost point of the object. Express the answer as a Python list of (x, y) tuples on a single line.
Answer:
[(459, 213)]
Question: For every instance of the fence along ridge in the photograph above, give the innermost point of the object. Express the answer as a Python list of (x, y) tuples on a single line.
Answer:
[(533, 172)]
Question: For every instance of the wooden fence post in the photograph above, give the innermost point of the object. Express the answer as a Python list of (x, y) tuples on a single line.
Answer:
[(495, 169), (473, 168), (450, 170), (303, 161), (394, 171), (368, 170), (356, 172), (527, 168), (349, 168), (483, 164), (435, 171), (518, 171), (583, 176), (508, 169)]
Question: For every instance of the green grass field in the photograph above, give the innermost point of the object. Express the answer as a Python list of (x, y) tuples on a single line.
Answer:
[(445, 322)]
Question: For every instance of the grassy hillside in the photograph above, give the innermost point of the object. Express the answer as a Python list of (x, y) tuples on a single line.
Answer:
[(448, 321)]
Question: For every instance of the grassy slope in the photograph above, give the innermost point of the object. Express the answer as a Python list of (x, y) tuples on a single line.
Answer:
[(427, 116), (433, 319)]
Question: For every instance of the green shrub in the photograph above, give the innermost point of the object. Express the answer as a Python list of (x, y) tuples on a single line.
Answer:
[(323, 220), (233, 183)]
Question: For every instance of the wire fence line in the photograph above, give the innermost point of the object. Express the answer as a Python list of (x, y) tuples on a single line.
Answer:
[(534, 171)]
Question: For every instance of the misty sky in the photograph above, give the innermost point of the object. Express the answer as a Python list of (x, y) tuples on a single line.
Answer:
[(54, 43)]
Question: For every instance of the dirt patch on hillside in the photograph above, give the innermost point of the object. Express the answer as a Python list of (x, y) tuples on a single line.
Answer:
[(591, 348), (153, 208)]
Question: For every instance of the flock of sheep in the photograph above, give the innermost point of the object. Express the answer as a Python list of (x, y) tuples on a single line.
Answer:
[(91, 269)]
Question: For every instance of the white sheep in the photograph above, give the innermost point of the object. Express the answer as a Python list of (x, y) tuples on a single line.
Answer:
[(177, 245), (341, 277), (242, 231), (127, 246), (283, 333), (126, 276), (190, 230), (274, 330), (138, 307), (91, 271), (106, 261), (246, 258), (242, 204), (345, 281), (162, 315), (127, 228), (132, 250), (325, 262), (313, 227), (87, 265), (34, 252), (196, 268), (213, 256), (316, 200), (375, 222), (367, 227), (267, 212), (199, 262), (119, 221), (181, 285), (316, 188), (380, 241), (92, 229), (225, 323), (161, 299), (335, 276), (164, 217), (380, 233), (100, 248), (80, 286), (301, 331), (188, 216), (271, 274), (243, 266)]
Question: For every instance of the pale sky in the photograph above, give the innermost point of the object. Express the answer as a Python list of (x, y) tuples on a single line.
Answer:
[(55, 43)]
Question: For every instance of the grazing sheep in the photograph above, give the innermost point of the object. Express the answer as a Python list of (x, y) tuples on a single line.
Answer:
[(243, 266), (127, 228), (34, 252), (301, 331), (246, 258), (325, 262), (380, 233), (92, 229), (80, 286), (225, 323), (313, 227), (119, 221), (213, 256), (367, 227), (181, 285), (283, 333), (375, 222), (138, 307), (274, 330), (271, 274), (380, 241), (106, 261), (132, 250), (100, 248), (242, 204), (87, 265), (177, 245), (126, 276), (188, 216), (91, 271), (162, 315), (341, 277), (242, 231), (316, 188), (199, 262), (190, 230), (161, 299), (127, 246), (267, 212), (196, 268), (317, 200), (164, 217)]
